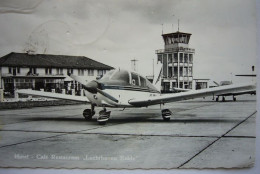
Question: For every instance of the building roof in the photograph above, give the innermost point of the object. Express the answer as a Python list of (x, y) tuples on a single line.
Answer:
[(48, 60), (175, 33)]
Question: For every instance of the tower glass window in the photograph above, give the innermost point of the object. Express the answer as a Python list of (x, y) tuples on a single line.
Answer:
[(169, 58), (175, 57), (159, 58), (181, 57), (190, 58), (185, 58)]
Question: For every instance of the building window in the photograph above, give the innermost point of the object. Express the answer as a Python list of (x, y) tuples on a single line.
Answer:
[(169, 58), (70, 71), (100, 72), (48, 71), (175, 71), (160, 58), (181, 71), (185, 71), (190, 71), (190, 58), (185, 58), (18, 70), (181, 57), (175, 57), (90, 72), (81, 72), (10, 70), (59, 71)]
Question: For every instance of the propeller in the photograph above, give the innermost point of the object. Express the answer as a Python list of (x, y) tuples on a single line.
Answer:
[(93, 87)]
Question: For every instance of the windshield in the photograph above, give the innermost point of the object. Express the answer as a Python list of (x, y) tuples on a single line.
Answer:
[(116, 77), (107, 75)]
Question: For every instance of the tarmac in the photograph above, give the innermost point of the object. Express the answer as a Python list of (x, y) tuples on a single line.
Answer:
[(201, 134)]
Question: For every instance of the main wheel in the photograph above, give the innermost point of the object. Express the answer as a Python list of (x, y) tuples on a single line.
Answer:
[(88, 114), (166, 114)]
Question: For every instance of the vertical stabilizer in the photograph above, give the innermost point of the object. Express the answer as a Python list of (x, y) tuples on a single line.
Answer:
[(157, 76)]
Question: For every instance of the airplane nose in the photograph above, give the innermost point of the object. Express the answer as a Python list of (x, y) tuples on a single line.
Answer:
[(92, 86)]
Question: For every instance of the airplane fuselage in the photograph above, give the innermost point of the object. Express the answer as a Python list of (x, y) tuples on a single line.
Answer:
[(120, 95)]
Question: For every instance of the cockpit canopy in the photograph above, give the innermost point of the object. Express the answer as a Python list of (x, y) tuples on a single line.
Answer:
[(120, 77)]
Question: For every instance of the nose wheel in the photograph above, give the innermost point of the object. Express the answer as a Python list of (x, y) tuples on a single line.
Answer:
[(103, 117), (166, 114), (89, 113)]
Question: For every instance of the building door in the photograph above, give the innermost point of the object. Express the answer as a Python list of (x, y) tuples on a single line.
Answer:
[(39, 84)]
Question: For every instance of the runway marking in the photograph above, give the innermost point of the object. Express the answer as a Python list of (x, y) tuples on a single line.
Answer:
[(223, 136)]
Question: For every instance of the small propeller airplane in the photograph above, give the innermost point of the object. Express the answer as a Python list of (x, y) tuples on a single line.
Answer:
[(233, 94), (126, 89)]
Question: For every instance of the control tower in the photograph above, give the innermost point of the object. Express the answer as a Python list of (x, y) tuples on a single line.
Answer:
[(177, 60)]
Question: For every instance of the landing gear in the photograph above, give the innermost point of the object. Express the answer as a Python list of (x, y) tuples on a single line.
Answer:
[(166, 114), (103, 116), (234, 98), (217, 99), (223, 99), (89, 113)]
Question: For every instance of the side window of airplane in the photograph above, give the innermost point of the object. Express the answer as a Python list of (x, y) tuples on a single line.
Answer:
[(135, 79), (143, 82)]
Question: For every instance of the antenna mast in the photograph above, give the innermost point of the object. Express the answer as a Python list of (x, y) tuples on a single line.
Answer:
[(134, 64), (162, 28), (178, 24)]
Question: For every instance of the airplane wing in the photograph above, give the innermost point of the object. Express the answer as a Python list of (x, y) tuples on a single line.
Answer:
[(167, 98), (53, 95), (239, 93)]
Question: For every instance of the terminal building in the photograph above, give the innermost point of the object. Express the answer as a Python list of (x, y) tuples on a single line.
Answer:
[(47, 72), (177, 59)]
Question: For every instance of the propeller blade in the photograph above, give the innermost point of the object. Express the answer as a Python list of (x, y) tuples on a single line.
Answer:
[(93, 87), (89, 86), (78, 79), (107, 95)]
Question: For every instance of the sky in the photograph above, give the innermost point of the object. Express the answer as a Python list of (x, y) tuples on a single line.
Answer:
[(116, 31)]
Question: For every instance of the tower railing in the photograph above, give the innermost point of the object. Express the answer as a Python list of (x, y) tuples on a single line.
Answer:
[(175, 50)]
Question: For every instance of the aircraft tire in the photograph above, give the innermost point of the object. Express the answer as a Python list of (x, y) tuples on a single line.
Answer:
[(87, 114), (166, 114)]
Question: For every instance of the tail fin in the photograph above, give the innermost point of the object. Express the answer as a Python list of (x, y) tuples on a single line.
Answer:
[(157, 76)]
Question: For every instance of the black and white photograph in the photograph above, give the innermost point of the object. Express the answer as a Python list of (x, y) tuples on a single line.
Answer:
[(128, 84)]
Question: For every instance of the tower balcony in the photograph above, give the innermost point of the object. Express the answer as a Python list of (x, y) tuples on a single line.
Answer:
[(178, 49)]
